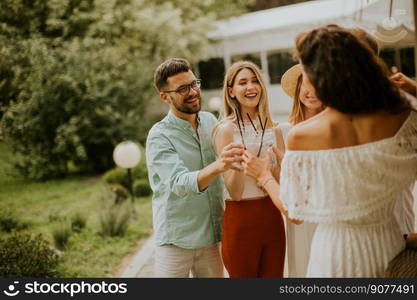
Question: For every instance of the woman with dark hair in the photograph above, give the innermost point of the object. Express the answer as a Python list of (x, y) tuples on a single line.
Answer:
[(346, 167)]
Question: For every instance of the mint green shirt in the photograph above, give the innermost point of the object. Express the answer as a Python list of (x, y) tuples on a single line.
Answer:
[(175, 153)]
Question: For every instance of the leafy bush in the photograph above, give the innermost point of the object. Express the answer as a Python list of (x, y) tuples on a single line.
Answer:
[(24, 256), (55, 216), (9, 222), (74, 83), (61, 118), (140, 172), (78, 222), (141, 188), (119, 191), (116, 176), (115, 219), (119, 175), (61, 234)]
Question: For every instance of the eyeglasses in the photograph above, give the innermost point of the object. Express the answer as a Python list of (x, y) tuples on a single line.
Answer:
[(185, 89)]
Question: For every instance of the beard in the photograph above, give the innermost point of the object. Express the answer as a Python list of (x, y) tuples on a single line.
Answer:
[(182, 107)]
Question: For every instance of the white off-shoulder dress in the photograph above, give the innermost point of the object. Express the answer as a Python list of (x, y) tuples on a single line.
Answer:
[(299, 237), (351, 192)]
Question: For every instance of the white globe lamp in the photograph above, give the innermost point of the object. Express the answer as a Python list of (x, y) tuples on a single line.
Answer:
[(127, 155)]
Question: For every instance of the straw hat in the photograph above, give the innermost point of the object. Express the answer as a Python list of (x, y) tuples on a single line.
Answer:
[(289, 80), (404, 265)]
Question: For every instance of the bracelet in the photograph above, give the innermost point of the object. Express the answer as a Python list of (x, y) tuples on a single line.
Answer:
[(266, 181)]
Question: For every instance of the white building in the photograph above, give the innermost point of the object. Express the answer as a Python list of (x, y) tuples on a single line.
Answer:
[(267, 38)]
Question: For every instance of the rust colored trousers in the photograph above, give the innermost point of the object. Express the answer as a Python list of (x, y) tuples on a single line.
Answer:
[(253, 239)]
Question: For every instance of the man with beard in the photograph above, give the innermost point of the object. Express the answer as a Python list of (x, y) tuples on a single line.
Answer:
[(183, 172)]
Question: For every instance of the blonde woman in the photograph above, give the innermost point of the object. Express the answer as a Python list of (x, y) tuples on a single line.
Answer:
[(253, 238), (305, 105)]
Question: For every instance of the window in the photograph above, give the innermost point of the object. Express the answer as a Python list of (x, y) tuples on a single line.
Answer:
[(402, 58), (253, 57), (278, 63), (211, 73), (407, 61), (388, 56)]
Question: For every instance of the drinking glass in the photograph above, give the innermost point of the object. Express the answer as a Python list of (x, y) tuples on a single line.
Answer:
[(256, 141)]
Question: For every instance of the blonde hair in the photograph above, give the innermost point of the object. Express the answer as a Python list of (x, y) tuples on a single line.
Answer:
[(297, 109), (231, 106)]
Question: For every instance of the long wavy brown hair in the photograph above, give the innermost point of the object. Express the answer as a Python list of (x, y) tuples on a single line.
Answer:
[(346, 74)]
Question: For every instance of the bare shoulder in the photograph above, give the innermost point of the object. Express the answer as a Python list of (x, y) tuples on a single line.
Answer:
[(223, 134), (309, 135), (225, 128), (227, 125)]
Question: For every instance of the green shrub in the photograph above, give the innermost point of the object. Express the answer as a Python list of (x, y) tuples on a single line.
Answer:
[(55, 217), (24, 256), (73, 108), (141, 188), (115, 219), (140, 172), (9, 222), (116, 176), (75, 84), (78, 222), (119, 191), (61, 234), (119, 175)]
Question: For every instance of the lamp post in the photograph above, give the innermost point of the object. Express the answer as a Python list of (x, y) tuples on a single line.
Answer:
[(127, 155)]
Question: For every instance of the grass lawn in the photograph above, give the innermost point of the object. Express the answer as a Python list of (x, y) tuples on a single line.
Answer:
[(45, 205)]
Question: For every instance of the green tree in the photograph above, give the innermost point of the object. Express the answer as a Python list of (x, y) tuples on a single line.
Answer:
[(76, 74)]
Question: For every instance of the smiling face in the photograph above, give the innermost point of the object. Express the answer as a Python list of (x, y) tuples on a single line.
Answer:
[(182, 104), (246, 88)]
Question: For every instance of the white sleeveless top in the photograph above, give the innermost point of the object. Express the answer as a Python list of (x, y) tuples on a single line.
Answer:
[(351, 193), (251, 189)]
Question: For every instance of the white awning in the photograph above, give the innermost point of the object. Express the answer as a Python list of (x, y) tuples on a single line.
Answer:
[(277, 28)]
